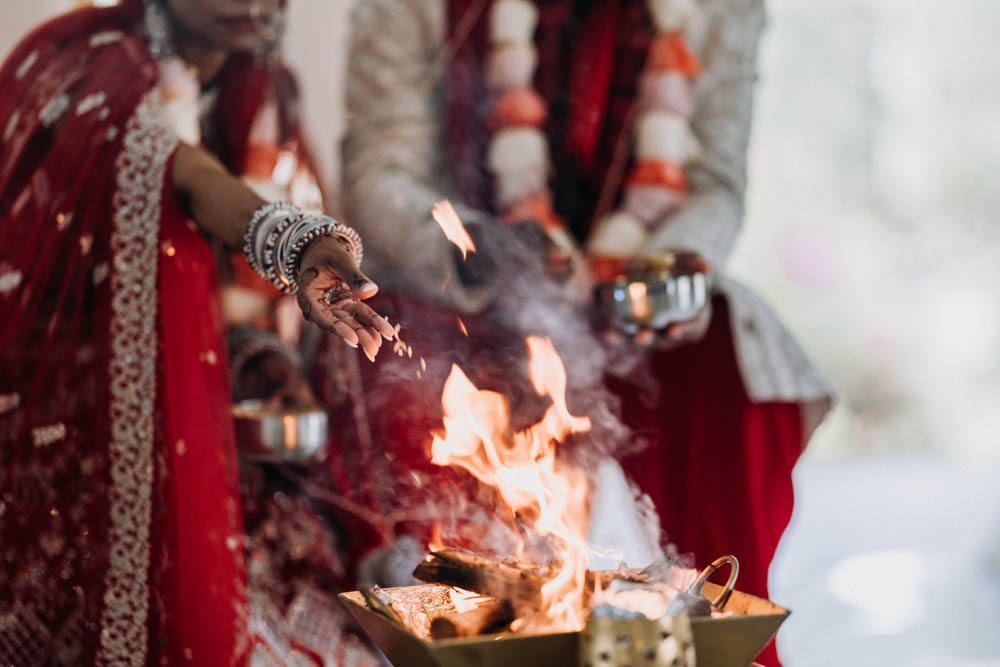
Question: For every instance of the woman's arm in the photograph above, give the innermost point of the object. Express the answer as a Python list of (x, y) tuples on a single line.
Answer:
[(218, 202), (331, 283)]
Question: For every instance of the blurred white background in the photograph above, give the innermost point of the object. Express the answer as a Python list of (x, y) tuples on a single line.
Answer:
[(872, 228)]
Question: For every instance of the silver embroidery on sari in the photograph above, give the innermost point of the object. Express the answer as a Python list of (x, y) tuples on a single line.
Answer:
[(100, 273), (140, 169), (26, 64), (90, 102), (15, 118), (106, 37), (44, 436), (54, 110), (10, 281), (9, 402)]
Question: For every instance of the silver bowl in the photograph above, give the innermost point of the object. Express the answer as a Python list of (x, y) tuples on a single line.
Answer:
[(295, 435), (653, 302)]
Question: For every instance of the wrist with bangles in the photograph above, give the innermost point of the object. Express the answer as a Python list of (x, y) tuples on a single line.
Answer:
[(247, 343), (278, 235)]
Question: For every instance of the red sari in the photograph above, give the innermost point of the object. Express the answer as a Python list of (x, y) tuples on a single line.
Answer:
[(120, 528)]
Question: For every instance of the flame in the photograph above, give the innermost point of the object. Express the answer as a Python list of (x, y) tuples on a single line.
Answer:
[(461, 326), (545, 497), (452, 226), (436, 543), (464, 600)]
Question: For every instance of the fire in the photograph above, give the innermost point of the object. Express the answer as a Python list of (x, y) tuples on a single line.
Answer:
[(545, 497), (465, 600), (436, 543), (445, 215)]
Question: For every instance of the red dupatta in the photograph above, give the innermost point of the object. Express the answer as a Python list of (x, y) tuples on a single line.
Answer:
[(120, 538)]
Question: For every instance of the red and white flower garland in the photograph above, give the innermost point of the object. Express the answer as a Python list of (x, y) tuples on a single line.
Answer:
[(518, 155)]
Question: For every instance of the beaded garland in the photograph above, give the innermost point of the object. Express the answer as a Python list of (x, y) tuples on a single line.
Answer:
[(518, 154)]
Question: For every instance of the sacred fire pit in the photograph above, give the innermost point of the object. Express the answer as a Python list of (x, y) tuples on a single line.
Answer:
[(543, 606), (440, 625)]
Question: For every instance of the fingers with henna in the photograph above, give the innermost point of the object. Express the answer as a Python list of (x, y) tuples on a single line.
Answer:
[(327, 321), (344, 330), (316, 313), (368, 342), (369, 318), (358, 327)]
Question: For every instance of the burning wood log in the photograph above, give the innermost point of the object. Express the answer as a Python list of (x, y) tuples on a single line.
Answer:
[(518, 583), (489, 617), (603, 578), (503, 579)]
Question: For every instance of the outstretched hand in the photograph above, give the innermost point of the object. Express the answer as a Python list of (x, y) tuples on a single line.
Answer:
[(331, 290)]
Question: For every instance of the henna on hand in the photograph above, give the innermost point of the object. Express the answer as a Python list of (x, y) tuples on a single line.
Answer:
[(305, 280), (333, 303)]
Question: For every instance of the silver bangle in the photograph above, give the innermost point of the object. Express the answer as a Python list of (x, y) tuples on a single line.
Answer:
[(310, 229), (260, 234), (278, 235)]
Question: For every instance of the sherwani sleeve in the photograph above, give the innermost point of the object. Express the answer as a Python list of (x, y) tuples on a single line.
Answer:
[(392, 158), (711, 218)]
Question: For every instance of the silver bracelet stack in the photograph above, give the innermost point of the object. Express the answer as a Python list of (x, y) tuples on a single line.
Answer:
[(280, 232)]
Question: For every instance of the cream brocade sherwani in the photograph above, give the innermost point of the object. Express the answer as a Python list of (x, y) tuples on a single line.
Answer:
[(394, 171)]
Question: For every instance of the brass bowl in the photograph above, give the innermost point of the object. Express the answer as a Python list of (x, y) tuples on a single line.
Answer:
[(296, 435), (652, 302), (728, 641)]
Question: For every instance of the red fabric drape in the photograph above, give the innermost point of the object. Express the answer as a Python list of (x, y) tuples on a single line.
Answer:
[(590, 82), (200, 576), (719, 466), (119, 517), (467, 104)]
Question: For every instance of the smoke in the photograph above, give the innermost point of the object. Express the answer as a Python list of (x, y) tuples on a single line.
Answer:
[(529, 303), (495, 357)]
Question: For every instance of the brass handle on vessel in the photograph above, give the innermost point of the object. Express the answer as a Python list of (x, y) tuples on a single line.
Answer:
[(734, 572)]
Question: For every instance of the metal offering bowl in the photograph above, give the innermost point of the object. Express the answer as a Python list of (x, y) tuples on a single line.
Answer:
[(729, 641), (654, 301), (654, 292), (283, 435)]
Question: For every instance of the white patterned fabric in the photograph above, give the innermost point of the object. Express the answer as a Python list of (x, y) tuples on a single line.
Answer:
[(394, 171)]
